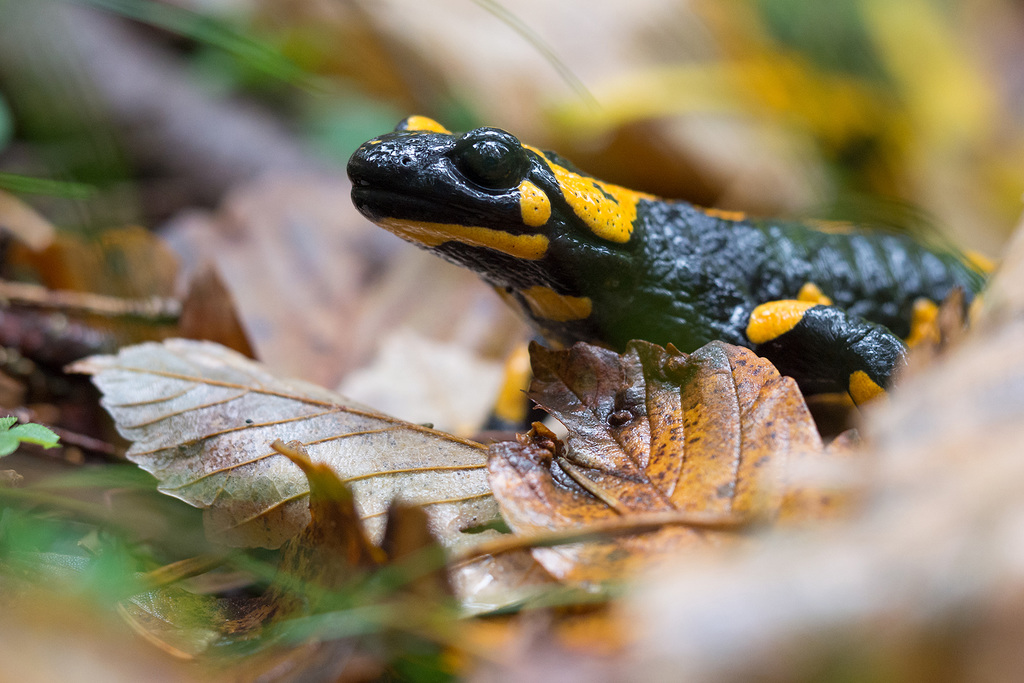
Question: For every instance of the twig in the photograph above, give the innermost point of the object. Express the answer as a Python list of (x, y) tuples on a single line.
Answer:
[(633, 524), (26, 294)]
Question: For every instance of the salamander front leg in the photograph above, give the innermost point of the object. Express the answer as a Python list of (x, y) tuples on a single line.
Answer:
[(825, 349)]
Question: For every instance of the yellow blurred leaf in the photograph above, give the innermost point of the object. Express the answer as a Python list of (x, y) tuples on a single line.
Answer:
[(949, 97)]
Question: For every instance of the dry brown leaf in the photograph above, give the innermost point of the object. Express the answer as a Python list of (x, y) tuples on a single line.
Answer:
[(654, 436), (320, 572), (23, 222), (925, 583), (407, 541), (495, 581), (175, 621), (317, 286), (125, 262), (333, 544), (445, 384), (96, 293), (208, 312), (201, 419), (10, 479)]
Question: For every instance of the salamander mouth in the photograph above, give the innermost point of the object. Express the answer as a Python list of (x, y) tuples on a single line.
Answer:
[(378, 203)]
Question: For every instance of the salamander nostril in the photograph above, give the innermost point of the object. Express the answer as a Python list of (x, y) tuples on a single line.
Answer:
[(406, 160)]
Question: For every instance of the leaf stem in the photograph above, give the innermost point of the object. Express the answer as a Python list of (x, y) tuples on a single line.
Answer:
[(634, 524)]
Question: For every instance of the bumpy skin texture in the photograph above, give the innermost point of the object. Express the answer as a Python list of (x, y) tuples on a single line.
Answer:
[(589, 261)]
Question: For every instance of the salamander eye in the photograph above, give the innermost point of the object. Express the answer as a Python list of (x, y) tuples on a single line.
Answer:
[(491, 158)]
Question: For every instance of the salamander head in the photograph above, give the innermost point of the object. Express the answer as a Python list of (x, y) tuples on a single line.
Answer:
[(540, 231)]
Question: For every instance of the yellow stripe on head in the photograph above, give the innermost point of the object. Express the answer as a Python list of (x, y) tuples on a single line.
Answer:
[(422, 124), (607, 210), (529, 247), (534, 204)]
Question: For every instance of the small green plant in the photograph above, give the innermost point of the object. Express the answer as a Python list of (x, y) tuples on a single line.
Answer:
[(6, 124), (12, 436)]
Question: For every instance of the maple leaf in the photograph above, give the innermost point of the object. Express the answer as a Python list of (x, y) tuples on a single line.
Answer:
[(679, 451)]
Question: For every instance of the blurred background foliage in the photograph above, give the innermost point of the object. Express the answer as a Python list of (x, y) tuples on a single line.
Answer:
[(116, 113), (852, 109)]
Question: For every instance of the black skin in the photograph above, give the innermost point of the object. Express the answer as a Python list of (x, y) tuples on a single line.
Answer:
[(684, 277)]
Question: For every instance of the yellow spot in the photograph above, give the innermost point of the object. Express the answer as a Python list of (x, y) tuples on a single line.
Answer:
[(811, 292), (724, 214), (975, 309), (863, 388), (422, 124), (775, 318), (548, 304), (511, 404), (529, 247), (832, 227), (608, 210), (924, 323), (980, 261), (534, 204)]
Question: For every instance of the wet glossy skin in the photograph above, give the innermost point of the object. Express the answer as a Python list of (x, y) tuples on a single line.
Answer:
[(586, 260)]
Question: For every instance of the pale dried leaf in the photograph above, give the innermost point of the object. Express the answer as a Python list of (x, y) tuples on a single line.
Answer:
[(1004, 297), (487, 583), (23, 222), (181, 623), (48, 636), (442, 383), (202, 418), (317, 286)]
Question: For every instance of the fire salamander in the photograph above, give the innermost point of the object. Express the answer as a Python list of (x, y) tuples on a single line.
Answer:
[(586, 260)]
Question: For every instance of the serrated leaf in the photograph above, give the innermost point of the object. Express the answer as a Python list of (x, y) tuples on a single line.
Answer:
[(201, 419), (37, 434), (11, 438), (686, 449)]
